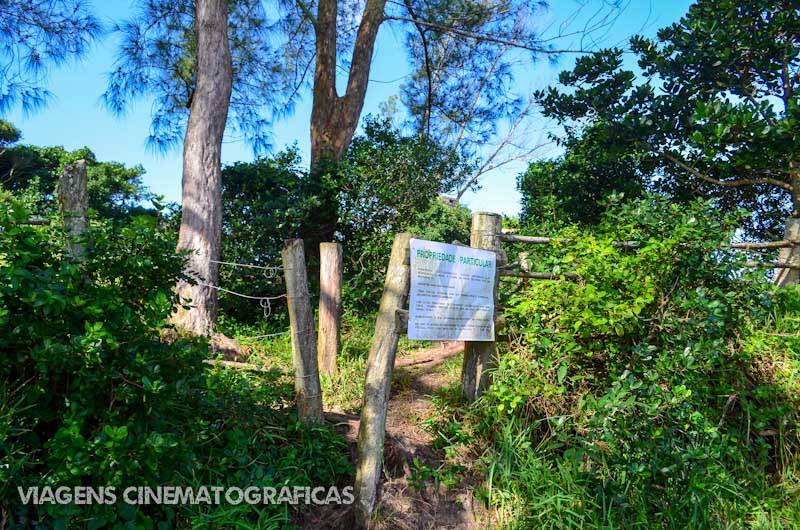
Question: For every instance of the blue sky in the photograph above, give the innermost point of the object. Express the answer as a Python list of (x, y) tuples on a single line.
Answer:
[(76, 117)]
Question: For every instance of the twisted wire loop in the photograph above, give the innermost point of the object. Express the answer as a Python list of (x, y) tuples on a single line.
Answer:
[(270, 272)]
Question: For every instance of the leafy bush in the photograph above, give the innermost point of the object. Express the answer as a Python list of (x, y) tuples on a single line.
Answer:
[(264, 202), (656, 375), (389, 183), (115, 191), (93, 394)]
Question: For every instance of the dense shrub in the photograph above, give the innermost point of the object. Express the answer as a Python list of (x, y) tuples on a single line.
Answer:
[(93, 394), (264, 203), (114, 190), (656, 380), (387, 183)]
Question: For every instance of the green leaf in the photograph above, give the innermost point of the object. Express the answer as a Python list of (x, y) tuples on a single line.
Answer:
[(562, 373)]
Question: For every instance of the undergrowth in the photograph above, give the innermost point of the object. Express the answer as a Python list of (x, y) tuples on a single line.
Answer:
[(93, 394), (660, 390)]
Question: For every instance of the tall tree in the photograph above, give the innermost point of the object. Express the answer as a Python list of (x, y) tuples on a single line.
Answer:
[(34, 35), (457, 49), (463, 89), (201, 207), (715, 111), (199, 70), (273, 56), (157, 57)]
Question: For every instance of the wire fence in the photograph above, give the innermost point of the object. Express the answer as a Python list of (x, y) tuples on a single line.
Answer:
[(270, 272)]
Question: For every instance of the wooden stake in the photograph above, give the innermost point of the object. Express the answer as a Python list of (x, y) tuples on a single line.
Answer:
[(478, 356), (73, 202), (301, 319), (330, 306), (372, 429)]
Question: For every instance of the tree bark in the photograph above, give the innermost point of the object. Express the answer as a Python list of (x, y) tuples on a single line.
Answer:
[(201, 217), (334, 118), (789, 256)]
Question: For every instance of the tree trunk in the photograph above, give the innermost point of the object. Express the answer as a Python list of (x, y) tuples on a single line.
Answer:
[(201, 217), (785, 277), (334, 118)]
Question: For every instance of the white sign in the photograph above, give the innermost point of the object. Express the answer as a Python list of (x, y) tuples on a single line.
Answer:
[(452, 292)]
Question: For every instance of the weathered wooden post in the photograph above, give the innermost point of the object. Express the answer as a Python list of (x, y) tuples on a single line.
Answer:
[(330, 306), (301, 320), (372, 430), (478, 355), (790, 256), (73, 202)]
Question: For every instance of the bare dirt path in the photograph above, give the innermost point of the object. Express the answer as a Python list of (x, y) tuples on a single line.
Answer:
[(409, 499)]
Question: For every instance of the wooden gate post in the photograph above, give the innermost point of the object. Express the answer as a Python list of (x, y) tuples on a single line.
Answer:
[(301, 320), (478, 356), (372, 429), (791, 256), (73, 202), (330, 306)]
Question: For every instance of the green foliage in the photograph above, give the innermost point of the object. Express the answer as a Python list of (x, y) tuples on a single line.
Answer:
[(264, 203), (34, 36), (714, 111), (94, 393), (387, 184), (8, 133), (662, 384), (114, 190), (157, 54), (575, 187)]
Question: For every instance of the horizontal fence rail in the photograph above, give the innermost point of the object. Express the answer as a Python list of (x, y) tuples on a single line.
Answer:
[(632, 245), (538, 240)]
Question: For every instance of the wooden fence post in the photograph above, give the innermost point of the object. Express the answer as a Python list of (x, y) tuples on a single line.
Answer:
[(790, 256), (73, 202), (478, 355), (330, 306), (301, 319), (372, 429)]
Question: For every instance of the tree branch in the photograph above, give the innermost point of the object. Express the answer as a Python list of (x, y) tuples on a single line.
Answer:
[(362, 53), (306, 12), (727, 183), (481, 36), (489, 165), (429, 99)]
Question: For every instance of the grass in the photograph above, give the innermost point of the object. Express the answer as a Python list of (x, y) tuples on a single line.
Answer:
[(530, 485), (344, 391)]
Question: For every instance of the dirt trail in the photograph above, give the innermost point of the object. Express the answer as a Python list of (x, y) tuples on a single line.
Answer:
[(417, 375)]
